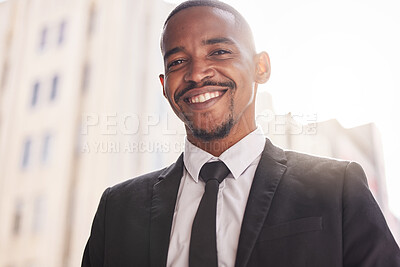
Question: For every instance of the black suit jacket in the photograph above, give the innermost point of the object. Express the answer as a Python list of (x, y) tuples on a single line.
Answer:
[(302, 211)]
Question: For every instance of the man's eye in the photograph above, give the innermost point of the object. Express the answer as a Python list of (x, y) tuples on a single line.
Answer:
[(221, 52), (175, 62)]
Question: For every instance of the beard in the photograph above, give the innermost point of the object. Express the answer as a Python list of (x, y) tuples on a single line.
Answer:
[(219, 132), (213, 132), (210, 131)]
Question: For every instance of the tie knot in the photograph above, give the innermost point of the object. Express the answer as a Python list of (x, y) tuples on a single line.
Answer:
[(214, 170)]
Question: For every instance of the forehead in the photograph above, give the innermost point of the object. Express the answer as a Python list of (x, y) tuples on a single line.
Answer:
[(199, 24)]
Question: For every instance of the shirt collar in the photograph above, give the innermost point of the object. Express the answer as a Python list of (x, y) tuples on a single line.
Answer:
[(237, 158)]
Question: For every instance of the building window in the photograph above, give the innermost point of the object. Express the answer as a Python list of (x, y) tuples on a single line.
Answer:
[(54, 87), (39, 214), (31, 264), (46, 148), (43, 37), (17, 220), (35, 94), (91, 20), (4, 76), (26, 153), (61, 32), (85, 77)]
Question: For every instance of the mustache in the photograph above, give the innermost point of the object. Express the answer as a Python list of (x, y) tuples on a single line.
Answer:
[(194, 85)]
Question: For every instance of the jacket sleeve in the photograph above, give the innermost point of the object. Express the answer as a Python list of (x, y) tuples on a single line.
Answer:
[(93, 255), (367, 240)]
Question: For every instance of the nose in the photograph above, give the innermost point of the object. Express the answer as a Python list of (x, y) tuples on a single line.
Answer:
[(198, 71)]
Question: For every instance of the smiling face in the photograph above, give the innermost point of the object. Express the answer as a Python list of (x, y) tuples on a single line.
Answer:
[(211, 74)]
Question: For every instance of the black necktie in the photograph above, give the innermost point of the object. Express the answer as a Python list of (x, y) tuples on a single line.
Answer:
[(203, 241)]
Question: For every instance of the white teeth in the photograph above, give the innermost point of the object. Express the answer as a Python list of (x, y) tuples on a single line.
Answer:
[(204, 97)]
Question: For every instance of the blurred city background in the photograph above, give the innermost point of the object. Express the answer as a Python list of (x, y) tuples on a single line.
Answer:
[(81, 107)]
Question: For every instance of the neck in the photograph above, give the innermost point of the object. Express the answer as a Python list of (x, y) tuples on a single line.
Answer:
[(218, 146)]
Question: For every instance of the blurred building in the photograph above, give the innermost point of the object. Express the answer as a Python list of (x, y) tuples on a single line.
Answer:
[(79, 102), (81, 109)]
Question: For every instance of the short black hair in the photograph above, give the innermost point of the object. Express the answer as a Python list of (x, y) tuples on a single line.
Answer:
[(240, 20), (209, 3)]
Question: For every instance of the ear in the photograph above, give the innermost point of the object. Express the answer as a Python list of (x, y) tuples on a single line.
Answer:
[(161, 76), (263, 68)]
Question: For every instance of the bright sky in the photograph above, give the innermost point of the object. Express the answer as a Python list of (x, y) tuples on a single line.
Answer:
[(339, 59)]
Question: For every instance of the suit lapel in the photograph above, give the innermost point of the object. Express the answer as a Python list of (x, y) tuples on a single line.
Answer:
[(265, 182), (162, 210)]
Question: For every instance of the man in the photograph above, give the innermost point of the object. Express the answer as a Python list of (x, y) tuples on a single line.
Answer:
[(274, 207)]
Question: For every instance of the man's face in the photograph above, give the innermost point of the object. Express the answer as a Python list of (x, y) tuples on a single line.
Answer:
[(209, 73)]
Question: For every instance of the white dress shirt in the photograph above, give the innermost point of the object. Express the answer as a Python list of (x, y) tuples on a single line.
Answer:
[(242, 160)]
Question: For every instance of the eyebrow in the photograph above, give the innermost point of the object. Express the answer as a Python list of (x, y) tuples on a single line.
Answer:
[(218, 40), (173, 51), (211, 41)]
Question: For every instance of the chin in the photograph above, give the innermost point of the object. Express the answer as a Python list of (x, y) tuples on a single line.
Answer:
[(221, 131)]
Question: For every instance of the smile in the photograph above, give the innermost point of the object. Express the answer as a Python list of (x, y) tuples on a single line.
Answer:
[(201, 98)]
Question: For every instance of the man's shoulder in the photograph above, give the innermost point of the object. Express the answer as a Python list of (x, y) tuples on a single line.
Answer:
[(143, 184), (141, 181), (326, 176), (295, 157), (310, 166)]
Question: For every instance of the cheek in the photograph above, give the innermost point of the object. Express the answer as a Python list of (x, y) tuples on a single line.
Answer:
[(169, 87), (245, 88), (243, 71)]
